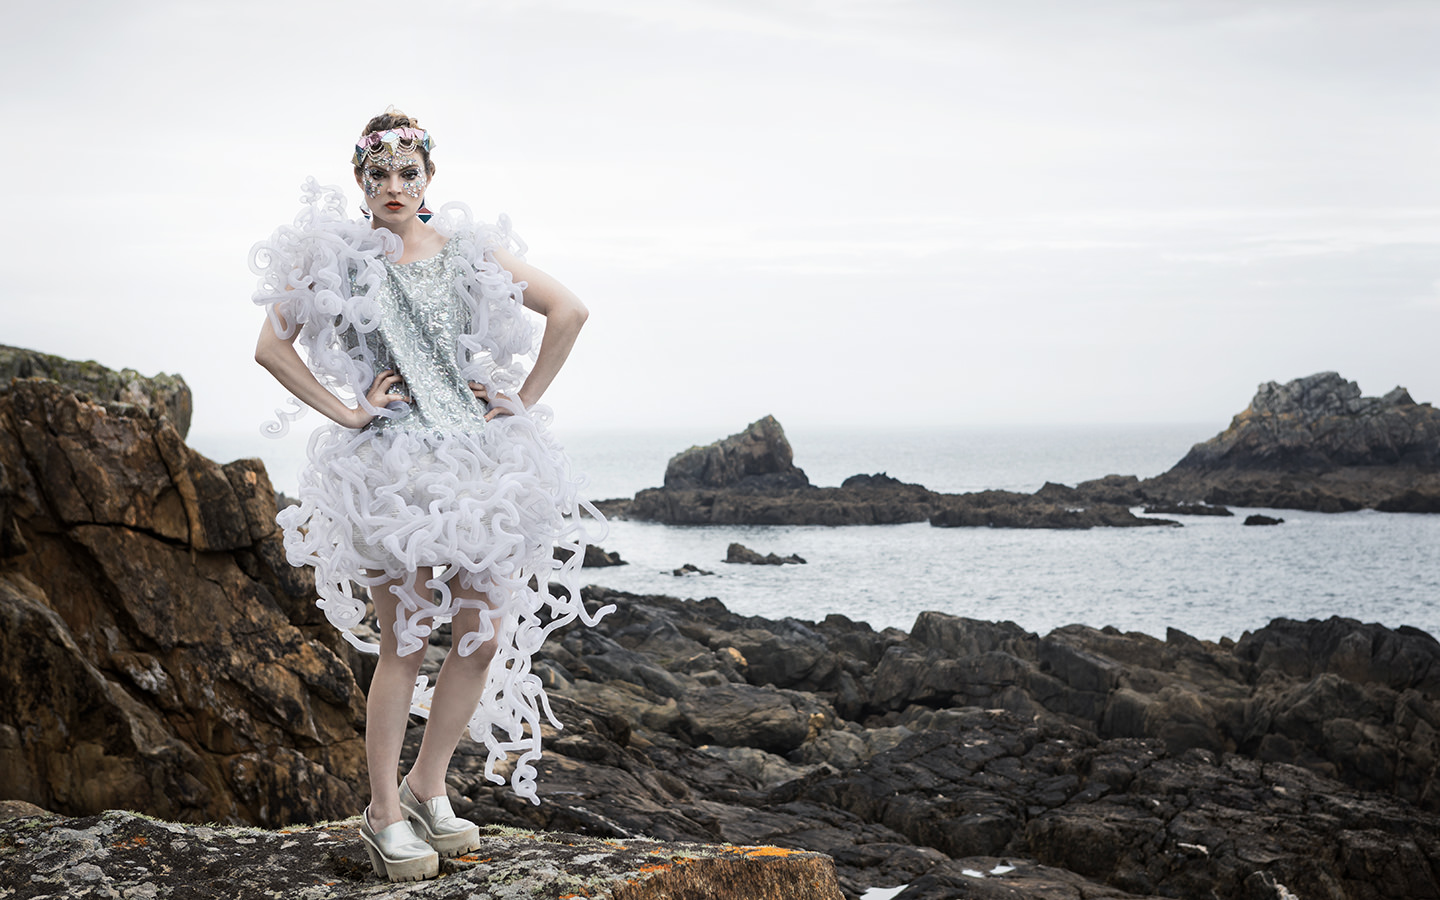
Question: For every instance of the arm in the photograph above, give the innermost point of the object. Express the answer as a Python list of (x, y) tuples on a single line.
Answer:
[(280, 358), (564, 315)]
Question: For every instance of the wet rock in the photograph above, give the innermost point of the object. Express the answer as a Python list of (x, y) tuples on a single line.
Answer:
[(691, 569), (739, 553)]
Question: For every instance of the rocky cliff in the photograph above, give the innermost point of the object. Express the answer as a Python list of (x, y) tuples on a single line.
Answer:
[(158, 652)]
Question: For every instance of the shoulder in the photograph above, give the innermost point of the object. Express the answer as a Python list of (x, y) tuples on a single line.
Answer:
[(454, 220)]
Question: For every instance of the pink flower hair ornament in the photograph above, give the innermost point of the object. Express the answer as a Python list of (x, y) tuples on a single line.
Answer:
[(394, 140)]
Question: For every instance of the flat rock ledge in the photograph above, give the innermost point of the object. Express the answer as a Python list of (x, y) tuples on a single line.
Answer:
[(121, 854)]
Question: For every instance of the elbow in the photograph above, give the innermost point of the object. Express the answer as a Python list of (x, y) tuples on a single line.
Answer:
[(578, 314)]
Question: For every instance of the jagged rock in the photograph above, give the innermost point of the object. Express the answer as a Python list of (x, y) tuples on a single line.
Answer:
[(758, 458), (1257, 519), (123, 391), (159, 653), (739, 553), (1315, 443), (120, 854)]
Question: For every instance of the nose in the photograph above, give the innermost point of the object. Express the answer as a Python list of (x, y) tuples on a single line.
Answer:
[(394, 183)]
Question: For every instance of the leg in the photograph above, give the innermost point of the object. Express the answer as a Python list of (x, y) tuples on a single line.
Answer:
[(457, 690), (387, 708)]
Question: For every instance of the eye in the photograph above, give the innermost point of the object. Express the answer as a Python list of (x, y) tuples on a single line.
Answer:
[(376, 174), (411, 174)]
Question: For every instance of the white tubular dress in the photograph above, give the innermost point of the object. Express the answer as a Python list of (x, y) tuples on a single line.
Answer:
[(429, 483)]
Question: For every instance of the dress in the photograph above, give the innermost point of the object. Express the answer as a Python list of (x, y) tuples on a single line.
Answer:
[(430, 483)]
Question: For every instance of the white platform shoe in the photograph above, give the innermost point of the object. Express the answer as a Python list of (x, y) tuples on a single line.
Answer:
[(397, 852), (437, 824)]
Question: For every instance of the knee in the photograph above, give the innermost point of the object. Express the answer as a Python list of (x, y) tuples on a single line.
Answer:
[(479, 659)]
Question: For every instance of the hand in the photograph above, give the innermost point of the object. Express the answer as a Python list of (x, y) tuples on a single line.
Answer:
[(379, 395), (482, 393)]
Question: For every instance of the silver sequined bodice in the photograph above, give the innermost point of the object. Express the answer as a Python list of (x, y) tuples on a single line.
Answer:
[(421, 317)]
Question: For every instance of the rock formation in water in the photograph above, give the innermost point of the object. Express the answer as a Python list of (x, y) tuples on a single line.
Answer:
[(750, 479), (1315, 443), (119, 854), (158, 652)]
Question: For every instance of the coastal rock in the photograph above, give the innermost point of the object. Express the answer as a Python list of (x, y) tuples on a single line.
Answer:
[(758, 458), (159, 653), (1258, 519), (120, 854), (1094, 761), (691, 569), (1315, 443), (1186, 509), (596, 557), (126, 390), (739, 553)]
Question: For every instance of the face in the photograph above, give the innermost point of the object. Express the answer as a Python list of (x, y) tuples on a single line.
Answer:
[(394, 184)]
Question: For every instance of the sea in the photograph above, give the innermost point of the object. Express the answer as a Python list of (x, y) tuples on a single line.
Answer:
[(1211, 578)]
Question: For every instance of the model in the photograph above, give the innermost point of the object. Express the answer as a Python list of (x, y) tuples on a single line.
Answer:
[(437, 486)]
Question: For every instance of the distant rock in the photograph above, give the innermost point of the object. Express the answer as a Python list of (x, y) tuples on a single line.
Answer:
[(1186, 509), (1315, 443), (691, 569), (739, 553), (1258, 519), (596, 557), (777, 493), (757, 459)]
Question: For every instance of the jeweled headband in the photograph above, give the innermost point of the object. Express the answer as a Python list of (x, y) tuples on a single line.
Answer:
[(395, 140)]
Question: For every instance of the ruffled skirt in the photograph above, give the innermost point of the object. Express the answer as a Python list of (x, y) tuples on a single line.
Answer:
[(484, 511)]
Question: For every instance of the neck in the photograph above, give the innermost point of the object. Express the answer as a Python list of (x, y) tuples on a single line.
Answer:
[(407, 231)]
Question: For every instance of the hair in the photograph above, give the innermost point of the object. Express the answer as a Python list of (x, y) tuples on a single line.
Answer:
[(394, 118)]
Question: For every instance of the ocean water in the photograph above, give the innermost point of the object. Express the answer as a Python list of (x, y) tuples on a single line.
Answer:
[(1213, 577)]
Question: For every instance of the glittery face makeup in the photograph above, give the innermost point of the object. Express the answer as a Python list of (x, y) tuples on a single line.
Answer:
[(378, 167)]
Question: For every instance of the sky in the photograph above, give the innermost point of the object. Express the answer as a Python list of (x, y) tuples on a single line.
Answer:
[(841, 212)]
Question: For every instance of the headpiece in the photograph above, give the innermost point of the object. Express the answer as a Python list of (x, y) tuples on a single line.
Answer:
[(395, 140)]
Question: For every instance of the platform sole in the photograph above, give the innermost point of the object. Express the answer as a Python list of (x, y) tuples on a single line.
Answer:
[(418, 869)]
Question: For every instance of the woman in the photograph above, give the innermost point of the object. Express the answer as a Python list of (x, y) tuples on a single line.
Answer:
[(438, 486)]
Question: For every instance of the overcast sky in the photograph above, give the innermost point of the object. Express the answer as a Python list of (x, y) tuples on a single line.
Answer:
[(920, 212)]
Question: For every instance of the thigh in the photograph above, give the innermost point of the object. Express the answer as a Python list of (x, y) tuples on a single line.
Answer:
[(388, 595)]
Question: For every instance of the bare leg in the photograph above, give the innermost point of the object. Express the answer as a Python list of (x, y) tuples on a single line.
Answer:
[(457, 690), (387, 708)]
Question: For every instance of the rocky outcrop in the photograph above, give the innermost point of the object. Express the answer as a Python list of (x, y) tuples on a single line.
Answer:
[(1091, 762), (119, 854), (1315, 443), (750, 479), (757, 459), (739, 553), (154, 395), (159, 653)]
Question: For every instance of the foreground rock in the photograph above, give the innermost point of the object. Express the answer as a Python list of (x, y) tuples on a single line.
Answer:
[(119, 854), (750, 479), (158, 652), (1095, 763), (1315, 443)]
